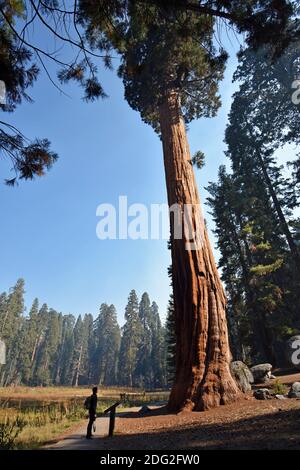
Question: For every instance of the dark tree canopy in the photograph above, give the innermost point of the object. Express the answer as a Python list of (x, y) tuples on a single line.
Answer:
[(18, 72), (161, 44), (170, 45)]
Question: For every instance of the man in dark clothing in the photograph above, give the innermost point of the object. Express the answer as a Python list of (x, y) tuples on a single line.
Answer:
[(92, 412)]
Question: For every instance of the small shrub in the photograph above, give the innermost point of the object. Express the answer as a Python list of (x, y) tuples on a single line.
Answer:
[(10, 428), (278, 388)]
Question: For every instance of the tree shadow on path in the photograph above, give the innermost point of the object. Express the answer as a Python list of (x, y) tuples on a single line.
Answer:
[(278, 430)]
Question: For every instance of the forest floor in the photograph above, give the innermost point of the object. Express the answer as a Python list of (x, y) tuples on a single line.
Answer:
[(247, 424)]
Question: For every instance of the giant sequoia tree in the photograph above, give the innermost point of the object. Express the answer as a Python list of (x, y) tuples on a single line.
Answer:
[(170, 70)]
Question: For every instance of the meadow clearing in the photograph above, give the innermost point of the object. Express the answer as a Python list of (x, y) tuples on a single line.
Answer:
[(33, 416)]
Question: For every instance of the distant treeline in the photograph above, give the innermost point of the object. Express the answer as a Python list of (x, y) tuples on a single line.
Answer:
[(46, 347)]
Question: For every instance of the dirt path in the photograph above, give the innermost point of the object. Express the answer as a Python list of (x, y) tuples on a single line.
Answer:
[(248, 424), (76, 440)]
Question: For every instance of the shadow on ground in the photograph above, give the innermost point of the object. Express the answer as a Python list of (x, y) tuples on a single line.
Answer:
[(279, 430)]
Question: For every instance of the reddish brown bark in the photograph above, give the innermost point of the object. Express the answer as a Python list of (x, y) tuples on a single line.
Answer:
[(203, 378)]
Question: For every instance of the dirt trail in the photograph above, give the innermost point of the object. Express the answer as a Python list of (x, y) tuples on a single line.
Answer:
[(76, 439)]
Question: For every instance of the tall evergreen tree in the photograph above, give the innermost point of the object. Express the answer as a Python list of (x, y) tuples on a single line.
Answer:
[(76, 363), (262, 118), (66, 352), (107, 345), (170, 341), (27, 343), (260, 253), (143, 374), (46, 347), (11, 322), (131, 336), (88, 334), (157, 361), (255, 261)]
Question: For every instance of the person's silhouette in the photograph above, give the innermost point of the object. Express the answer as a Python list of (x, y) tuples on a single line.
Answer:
[(92, 412)]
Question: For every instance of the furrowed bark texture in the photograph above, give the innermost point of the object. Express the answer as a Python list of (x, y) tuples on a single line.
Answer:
[(203, 378)]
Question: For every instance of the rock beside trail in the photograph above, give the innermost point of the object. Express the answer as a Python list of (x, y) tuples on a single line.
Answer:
[(144, 410), (262, 394), (280, 397), (292, 351), (261, 373), (294, 391), (242, 375)]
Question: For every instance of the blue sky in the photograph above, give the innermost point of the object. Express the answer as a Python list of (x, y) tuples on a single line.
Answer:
[(48, 230)]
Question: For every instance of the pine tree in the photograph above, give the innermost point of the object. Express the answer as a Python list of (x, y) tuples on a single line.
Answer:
[(3, 310), (143, 374), (131, 336), (66, 352), (11, 322), (87, 340), (46, 346), (107, 345), (18, 72), (28, 343), (157, 360), (255, 262), (77, 351), (262, 119), (170, 341)]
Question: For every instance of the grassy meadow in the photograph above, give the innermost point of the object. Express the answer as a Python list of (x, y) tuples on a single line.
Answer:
[(33, 416)]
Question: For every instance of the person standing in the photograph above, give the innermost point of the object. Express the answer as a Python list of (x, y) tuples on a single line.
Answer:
[(92, 412)]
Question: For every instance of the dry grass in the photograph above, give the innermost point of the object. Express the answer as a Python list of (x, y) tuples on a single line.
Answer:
[(41, 414), (34, 423), (58, 393), (34, 437), (55, 393)]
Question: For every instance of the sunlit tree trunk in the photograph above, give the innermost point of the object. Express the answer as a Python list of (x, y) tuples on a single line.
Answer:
[(78, 368), (203, 378)]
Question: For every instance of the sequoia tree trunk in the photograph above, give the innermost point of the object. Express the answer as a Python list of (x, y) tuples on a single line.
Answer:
[(203, 379)]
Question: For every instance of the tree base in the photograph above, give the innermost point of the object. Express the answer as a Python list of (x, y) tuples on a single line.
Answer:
[(214, 392)]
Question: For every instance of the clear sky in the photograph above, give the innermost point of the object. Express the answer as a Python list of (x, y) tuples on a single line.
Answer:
[(48, 229)]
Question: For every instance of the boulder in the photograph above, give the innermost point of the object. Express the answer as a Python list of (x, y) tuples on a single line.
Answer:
[(294, 391), (262, 394), (144, 410), (292, 351), (242, 375), (280, 397), (261, 373)]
